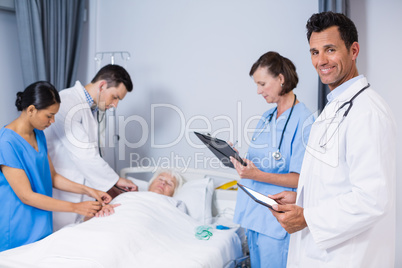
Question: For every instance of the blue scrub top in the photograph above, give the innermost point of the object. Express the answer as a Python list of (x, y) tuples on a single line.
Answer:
[(248, 213), (21, 224)]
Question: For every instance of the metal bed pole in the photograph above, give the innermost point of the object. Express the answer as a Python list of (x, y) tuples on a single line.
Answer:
[(125, 56)]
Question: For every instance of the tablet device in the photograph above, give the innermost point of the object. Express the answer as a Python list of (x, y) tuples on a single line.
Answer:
[(258, 197), (221, 149)]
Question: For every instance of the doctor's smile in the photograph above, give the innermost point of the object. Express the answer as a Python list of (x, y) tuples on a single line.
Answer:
[(326, 70)]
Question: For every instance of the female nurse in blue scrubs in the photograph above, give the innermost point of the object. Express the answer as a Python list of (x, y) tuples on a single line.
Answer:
[(27, 174), (274, 158)]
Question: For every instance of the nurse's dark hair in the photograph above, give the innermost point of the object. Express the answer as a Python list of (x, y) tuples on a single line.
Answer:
[(321, 21), (276, 65), (114, 76), (40, 94)]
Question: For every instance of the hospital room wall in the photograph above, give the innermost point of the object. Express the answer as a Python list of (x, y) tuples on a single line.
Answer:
[(10, 67)]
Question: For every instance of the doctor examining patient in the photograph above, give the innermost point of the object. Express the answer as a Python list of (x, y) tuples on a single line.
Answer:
[(28, 175), (73, 137), (29, 160)]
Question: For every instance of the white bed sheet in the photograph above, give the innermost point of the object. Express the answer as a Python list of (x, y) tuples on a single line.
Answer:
[(147, 230)]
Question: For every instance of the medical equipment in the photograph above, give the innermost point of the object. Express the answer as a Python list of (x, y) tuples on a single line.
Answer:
[(100, 118), (222, 227), (203, 232), (101, 124), (119, 188), (276, 155), (125, 56), (350, 103), (109, 57)]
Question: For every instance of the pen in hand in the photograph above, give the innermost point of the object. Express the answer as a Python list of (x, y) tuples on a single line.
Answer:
[(234, 144)]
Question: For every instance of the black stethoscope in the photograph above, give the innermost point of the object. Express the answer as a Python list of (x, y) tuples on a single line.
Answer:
[(350, 103), (100, 116), (276, 155)]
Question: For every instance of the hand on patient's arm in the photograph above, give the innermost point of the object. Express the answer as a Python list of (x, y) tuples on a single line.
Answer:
[(106, 210), (101, 196), (127, 185), (65, 184), (292, 218), (87, 208)]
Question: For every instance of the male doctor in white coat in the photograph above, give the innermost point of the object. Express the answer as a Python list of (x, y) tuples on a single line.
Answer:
[(344, 213), (73, 139)]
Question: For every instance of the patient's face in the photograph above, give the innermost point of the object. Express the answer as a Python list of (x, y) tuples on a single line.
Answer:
[(163, 184)]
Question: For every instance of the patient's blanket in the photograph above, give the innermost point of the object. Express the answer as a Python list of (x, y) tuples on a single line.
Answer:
[(147, 230)]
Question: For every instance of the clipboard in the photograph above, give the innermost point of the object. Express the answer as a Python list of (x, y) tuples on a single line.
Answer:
[(220, 149), (259, 197)]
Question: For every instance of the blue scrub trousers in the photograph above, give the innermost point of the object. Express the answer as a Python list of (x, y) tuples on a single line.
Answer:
[(266, 252)]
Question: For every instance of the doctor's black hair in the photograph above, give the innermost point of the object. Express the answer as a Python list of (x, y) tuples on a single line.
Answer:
[(321, 21), (276, 65), (40, 94), (114, 75)]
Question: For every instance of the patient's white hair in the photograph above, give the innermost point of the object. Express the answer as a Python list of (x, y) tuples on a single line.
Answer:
[(179, 178)]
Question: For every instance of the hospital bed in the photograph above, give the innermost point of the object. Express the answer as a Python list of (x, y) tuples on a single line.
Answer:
[(148, 231)]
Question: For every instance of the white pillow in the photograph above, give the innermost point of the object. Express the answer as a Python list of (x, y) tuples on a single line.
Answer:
[(142, 185), (197, 195)]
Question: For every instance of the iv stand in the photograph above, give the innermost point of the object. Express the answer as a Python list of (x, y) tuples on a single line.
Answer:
[(125, 56)]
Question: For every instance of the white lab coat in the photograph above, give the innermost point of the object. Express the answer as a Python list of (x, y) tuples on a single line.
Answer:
[(73, 148), (347, 189)]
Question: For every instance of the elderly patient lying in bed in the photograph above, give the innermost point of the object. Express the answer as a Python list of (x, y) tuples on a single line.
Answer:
[(164, 182), (146, 230)]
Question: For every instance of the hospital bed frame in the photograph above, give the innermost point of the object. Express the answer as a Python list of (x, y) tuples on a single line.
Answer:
[(222, 199)]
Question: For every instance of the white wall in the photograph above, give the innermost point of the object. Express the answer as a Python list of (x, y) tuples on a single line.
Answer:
[(10, 67), (196, 56), (380, 39)]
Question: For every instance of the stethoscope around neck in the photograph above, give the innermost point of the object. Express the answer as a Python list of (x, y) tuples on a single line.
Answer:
[(276, 155), (350, 103)]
